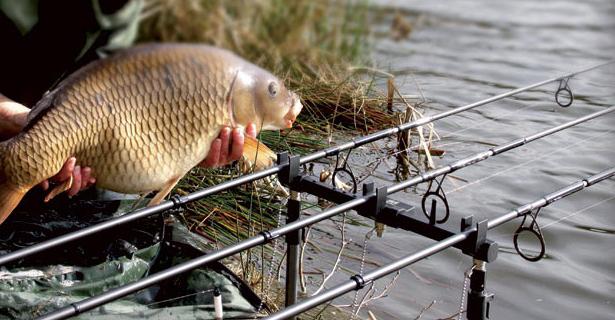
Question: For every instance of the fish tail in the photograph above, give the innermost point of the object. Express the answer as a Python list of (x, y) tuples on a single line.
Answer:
[(10, 194)]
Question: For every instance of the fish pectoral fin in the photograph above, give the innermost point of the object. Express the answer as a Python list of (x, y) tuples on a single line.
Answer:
[(162, 193), (59, 188), (257, 154)]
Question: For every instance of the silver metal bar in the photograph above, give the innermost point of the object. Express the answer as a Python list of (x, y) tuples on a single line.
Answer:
[(119, 292), (114, 294), (425, 120), (351, 285), (129, 217), (517, 91), (426, 176), (600, 176), (46, 245), (165, 205), (378, 273)]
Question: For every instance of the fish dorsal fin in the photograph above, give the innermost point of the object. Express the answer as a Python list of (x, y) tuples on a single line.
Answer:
[(55, 94), (40, 108)]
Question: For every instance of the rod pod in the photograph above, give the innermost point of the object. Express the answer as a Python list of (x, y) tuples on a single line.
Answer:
[(479, 301), (177, 201)]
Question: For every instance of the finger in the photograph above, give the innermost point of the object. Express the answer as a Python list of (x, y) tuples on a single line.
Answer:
[(237, 146), (91, 182), (225, 137), (74, 189), (251, 130), (66, 171), (86, 174), (214, 154), (45, 185)]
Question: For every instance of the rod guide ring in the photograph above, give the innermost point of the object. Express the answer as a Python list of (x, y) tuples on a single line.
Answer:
[(564, 90), (535, 233)]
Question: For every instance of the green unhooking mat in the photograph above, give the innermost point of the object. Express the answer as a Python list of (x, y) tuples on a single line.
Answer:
[(70, 273)]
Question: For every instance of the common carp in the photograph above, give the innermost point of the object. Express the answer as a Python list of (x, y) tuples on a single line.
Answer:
[(142, 118)]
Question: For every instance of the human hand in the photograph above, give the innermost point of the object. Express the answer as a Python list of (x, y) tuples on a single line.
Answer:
[(82, 177), (228, 147), (225, 149), (13, 117)]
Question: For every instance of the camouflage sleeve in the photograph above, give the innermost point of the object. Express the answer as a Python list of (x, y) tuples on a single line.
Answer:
[(119, 23)]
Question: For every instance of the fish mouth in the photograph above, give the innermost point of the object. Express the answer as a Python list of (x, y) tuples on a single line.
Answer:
[(293, 111)]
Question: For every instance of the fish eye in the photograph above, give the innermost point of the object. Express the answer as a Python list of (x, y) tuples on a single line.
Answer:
[(273, 89)]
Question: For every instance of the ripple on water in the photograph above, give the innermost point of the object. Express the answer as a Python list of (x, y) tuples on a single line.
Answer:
[(466, 50)]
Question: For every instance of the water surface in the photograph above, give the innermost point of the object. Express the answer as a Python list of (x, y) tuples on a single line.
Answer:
[(463, 51)]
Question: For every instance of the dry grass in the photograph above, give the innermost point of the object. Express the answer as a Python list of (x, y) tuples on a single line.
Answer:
[(310, 44), (313, 45), (319, 48)]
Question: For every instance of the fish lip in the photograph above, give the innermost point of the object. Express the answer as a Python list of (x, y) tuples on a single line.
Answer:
[(293, 111)]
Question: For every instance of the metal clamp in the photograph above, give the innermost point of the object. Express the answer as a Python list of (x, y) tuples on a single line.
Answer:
[(375, 203), (477, 245), (533, 229), (177, 200), (563, 88), (177, 209), (290, 169), (268, 236), (359, 280), (76, 308)]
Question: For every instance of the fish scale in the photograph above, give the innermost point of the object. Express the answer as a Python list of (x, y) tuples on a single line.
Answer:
[(141, 118)]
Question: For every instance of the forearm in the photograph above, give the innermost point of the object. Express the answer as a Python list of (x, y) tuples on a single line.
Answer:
[(13, 117)]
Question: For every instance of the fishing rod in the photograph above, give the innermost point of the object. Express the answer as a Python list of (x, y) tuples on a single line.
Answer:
[(429, 175), (177, 201), (357, 281), (428, 119), (267, 236)]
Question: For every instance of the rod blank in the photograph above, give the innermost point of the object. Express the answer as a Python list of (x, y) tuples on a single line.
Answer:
[(165, 205), (426, 176), (122, 291), (378, 273)]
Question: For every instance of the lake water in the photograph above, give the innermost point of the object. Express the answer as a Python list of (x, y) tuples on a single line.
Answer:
[(464, 51)]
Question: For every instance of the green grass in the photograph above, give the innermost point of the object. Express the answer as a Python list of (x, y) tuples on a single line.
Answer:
[(312, 45), (316, 47)]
